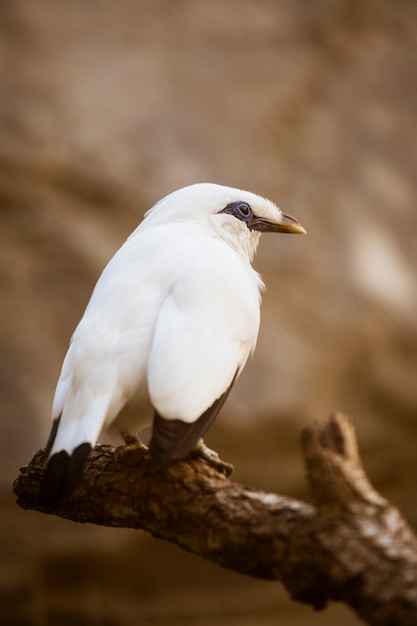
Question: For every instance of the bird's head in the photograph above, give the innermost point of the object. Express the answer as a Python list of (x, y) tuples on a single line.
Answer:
[(237, 216)]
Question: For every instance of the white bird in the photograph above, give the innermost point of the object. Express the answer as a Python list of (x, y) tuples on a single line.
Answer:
[(171, 323)]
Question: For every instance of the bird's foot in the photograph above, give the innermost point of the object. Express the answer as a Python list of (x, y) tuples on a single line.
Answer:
[(131, 439), (209, 456), (132, 443)]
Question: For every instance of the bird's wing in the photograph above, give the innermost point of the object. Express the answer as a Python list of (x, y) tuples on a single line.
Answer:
[(205, 331), (106, 362), (104, 367)]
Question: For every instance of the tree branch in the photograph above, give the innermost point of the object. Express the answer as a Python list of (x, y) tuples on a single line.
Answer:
[(352, 546)]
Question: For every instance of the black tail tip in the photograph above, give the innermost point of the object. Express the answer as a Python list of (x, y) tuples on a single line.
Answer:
[(63, 473)]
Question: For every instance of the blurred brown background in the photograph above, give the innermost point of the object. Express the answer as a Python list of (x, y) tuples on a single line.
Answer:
[(107, 106)]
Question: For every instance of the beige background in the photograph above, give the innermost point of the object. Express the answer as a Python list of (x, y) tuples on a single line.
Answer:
[(104, 108)]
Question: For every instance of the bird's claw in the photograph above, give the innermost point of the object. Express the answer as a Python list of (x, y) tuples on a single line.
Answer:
[(131, 439), (132, 443), (209, 456)]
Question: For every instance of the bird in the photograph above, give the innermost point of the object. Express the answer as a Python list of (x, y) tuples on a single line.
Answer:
[(169, 326)]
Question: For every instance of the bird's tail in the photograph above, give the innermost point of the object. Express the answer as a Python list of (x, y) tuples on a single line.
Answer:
[(64, 469)]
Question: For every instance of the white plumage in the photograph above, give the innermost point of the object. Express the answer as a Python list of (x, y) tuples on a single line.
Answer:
[(171, 323)]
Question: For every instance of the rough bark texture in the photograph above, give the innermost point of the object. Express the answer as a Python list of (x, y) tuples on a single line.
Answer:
[(351, 546)]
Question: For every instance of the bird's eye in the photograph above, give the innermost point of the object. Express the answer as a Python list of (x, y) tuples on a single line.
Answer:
[(243, 210), (240, 210)]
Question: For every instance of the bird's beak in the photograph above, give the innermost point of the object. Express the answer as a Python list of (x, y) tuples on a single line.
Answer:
[(285, 224)]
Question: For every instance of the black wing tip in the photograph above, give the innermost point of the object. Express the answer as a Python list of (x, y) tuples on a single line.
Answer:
[(63, 473), (168, 439), (54, 479)]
